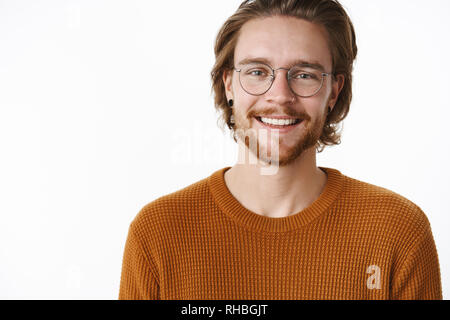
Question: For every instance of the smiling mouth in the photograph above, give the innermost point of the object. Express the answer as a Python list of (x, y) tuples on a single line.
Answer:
[(278, 123)]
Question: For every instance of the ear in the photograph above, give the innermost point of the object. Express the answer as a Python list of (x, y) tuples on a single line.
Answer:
[(227, 79), (337, 86)]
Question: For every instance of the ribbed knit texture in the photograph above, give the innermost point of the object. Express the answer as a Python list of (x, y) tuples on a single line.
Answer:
[(356, 241)]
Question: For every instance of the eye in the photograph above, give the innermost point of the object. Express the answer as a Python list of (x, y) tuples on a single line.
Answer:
[(305, 76), (256, 72)]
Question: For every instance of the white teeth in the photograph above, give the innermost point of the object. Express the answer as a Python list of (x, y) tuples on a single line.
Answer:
[(279, 122)]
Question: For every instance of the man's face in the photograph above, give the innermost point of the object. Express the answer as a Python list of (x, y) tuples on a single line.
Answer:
[(282, 41)]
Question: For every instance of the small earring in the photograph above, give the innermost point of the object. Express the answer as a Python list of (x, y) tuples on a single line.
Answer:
[(230, 103), (232, 119)]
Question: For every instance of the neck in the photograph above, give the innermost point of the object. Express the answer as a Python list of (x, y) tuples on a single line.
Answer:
[(290, 190)]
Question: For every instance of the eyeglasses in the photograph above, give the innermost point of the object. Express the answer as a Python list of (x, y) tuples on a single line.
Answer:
[(257, 78)]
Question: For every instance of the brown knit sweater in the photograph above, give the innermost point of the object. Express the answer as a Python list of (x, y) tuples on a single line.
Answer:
[(356, 241)]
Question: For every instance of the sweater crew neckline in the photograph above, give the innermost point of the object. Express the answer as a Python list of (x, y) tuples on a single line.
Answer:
[(235, 210)]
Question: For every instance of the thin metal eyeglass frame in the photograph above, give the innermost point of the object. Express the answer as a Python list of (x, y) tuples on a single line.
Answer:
[(324, 74)]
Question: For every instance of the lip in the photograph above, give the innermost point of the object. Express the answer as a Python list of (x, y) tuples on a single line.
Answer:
[(278, 117), (281, 129)]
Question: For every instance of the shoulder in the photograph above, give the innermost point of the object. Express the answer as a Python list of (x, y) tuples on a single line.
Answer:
[(384, 206), (175, 207)]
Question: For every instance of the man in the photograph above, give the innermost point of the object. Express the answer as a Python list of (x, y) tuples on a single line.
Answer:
[(282, 80)]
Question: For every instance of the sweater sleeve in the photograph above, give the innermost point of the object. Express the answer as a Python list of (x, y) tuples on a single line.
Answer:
[(419, 276), (139, 280)]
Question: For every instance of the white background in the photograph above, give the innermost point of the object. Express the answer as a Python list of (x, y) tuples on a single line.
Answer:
[(107, 105)]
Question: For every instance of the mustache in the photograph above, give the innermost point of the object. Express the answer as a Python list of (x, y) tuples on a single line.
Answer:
[(285, 111)]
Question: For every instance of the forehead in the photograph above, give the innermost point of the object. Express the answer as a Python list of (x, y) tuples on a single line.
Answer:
[(283, 40)]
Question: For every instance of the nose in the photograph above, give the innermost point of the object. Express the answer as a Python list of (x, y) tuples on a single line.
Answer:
[(280, 92)]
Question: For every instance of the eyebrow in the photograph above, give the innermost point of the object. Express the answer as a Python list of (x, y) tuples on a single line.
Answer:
[(298, 62)]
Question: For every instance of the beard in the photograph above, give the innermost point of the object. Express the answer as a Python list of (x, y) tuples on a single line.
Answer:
[(271, 150)]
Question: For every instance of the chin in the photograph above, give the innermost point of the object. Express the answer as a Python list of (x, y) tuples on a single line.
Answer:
[(286, 155)]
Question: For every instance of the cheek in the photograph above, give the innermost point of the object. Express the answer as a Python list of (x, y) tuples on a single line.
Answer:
[(243, 107), (242, 100), (236, 85), (314, 106), (327, 91)]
